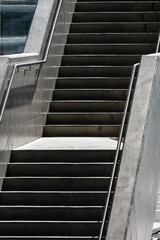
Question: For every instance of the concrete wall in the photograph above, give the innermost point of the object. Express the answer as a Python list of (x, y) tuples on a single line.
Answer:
[(32, 88), (138, 182)]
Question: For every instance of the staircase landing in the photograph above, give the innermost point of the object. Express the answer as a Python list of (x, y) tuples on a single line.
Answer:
[(55, 143)]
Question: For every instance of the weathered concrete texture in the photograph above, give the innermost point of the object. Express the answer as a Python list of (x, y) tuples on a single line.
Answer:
[(39, 25), (138, 183)]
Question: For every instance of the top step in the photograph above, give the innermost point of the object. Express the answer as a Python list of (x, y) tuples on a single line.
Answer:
[(89, 6)]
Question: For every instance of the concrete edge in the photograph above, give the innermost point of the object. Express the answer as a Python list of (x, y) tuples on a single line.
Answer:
[(131, 157)]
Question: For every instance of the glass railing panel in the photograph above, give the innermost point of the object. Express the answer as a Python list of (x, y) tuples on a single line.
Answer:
[(15, 21)]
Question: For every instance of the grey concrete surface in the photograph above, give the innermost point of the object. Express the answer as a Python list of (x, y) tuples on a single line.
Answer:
[(39, 25), (57, 143), (30, 94), (138, 182)]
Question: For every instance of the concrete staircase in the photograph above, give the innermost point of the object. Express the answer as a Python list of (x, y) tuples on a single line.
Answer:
[(106, 38), (60, 194)]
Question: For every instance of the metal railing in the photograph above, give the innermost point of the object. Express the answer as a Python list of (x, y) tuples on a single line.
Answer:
[(118, 148), (31, 63)]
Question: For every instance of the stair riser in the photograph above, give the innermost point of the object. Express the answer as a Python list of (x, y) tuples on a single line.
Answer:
[(107, 49), (68, 170), (81, 131), (87, 107), (95, 71), (92, 83), (63, 156), (99, 60), (62, 184), (57, 199), (114, 28), (120, 17), (84, 119), (50, 229), (112, 38), (121, 6), (90, 95), (44, 238), (53, 214)]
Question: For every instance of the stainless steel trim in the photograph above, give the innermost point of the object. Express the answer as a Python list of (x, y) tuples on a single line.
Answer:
[(30, 63), (118, 148), (158, 43)]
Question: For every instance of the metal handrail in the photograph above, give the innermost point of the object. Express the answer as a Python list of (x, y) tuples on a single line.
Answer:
[(30, 63), (118, 148)]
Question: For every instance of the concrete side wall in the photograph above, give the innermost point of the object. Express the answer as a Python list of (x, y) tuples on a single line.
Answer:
[(138, 182), (32, 88)]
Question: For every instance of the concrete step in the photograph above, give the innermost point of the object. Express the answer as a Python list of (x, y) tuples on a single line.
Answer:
[(114, 27), (60, 169), (71, 49), (84, 118), (116, 16), (95, 71), (81, 130), (90, 94), (68, 156), (49, 228), (56, 198), (75, 38), (103, 60), (129, 6), (91, 82), (53, 213), (87, 106)]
